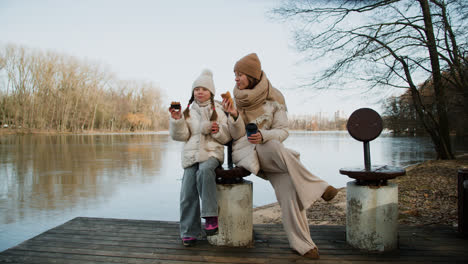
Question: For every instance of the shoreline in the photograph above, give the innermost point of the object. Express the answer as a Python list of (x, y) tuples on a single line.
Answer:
[(427, 195), (19, 131)]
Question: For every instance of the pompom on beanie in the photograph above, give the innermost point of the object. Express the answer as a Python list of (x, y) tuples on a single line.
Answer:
[(205, 80), (250, 65)]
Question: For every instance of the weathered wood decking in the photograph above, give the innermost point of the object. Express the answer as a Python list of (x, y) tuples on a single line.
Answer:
[(101, 240)]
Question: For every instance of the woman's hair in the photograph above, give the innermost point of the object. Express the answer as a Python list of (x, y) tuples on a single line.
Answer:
[(252, 81), (214, 115)]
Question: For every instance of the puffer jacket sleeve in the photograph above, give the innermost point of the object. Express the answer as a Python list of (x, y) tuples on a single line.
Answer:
[(205, 127), (223, 136), (279, 127), (178, 129), (236, 127)]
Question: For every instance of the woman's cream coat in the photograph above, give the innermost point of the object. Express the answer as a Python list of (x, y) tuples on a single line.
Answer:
[(195, 131), (275, 127)]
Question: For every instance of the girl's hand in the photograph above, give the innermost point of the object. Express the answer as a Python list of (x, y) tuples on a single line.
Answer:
[(230, 108), (176, 114), (214, 128), (256, 138)]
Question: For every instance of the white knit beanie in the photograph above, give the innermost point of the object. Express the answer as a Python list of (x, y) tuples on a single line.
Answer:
[(205, 80)]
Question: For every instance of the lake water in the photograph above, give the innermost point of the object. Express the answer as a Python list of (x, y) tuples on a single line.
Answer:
[(46, 180)]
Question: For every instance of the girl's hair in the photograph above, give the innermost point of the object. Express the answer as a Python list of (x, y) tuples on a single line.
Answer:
[(214, 115)]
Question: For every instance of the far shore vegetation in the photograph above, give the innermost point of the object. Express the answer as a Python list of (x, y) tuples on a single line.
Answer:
[(47, 92)]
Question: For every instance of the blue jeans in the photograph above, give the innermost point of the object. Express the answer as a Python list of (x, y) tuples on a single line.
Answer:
[(198, 183)]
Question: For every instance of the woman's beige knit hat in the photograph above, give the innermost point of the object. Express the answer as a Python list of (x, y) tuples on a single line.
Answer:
[(250, 65)]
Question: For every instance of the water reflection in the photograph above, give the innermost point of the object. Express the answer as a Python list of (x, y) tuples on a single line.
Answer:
[(44, 175), (404, 154), (46, 180), (56, 172)]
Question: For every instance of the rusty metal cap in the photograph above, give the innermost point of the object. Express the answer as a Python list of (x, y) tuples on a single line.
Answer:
[(364, 124)]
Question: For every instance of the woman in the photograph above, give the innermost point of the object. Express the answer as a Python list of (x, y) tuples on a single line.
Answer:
[(264, 154)]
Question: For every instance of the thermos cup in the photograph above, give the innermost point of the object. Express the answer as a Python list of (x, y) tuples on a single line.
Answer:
[(251, 128)]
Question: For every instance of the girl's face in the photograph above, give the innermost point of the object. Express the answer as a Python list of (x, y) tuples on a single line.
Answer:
[(241, 80), (201, 94)]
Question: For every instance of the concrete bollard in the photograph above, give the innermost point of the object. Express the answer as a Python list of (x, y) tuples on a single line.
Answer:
[(372, 216), (235, 218)]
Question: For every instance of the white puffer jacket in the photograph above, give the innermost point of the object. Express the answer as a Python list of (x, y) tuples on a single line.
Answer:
[(195, 131), (275, 127)]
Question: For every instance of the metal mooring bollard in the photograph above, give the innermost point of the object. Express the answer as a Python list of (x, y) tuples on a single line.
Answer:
[(372, 202), (463, 201)]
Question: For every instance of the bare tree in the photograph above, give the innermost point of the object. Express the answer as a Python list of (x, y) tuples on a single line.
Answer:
[(387, 43)]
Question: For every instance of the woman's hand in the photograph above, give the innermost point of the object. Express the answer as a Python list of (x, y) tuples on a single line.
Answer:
[(230, 108), (214, 128), (256, 138), (176, 114)]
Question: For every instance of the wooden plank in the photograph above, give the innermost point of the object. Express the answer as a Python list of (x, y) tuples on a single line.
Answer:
[(56, 258), (146, 248), (138, 256), (96, 235), (143, 255), (47, 257), (277, 254), (84, 240), (156, 242)]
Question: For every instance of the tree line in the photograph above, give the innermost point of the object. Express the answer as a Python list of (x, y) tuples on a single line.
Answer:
[(52, 91), (55, 92), (400, 115), (318, 122)]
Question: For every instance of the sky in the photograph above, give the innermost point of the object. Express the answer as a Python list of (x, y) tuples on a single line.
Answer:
[(171, 42)]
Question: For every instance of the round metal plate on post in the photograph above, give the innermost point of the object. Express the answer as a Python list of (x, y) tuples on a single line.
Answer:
[(364, 124)]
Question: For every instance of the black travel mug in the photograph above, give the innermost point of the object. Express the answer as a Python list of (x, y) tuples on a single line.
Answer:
[(251, 128)]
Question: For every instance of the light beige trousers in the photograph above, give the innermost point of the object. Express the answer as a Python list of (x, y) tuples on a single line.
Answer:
[(296, 189)]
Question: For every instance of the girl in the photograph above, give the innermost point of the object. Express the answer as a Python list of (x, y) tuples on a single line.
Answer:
[(204, 130), (264, 154)]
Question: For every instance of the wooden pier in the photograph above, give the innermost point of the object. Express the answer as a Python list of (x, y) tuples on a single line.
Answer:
[(102, 240)]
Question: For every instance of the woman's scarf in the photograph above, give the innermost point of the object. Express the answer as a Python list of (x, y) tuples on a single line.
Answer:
[(249, 102)]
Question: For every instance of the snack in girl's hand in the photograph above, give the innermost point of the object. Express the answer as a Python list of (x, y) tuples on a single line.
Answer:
[(228, 97), (175, 105)]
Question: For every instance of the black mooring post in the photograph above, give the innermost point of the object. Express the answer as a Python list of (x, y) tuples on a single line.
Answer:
[(230, 165), (463, 202), (367, 162)]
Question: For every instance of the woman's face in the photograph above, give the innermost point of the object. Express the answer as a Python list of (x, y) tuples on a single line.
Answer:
[(201, 94), (241, 80)]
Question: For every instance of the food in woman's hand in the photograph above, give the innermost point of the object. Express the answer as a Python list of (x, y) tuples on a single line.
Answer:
[(175, 105), (228, 97)]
